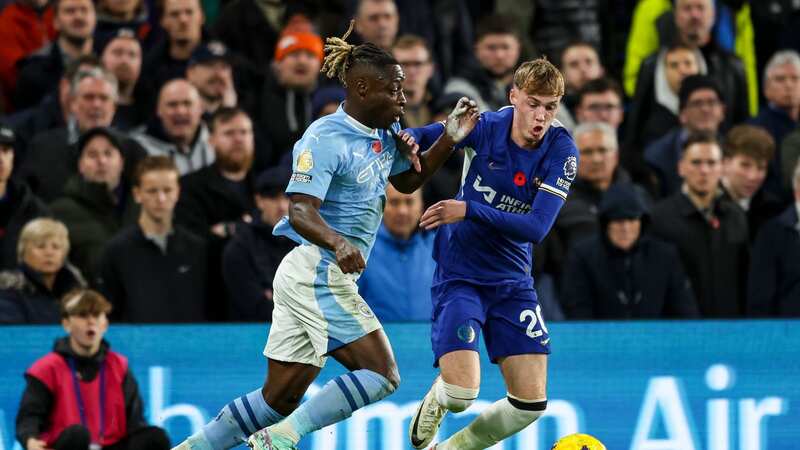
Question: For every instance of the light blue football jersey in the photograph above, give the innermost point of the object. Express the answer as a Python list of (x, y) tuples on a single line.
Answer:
[(345, 164)]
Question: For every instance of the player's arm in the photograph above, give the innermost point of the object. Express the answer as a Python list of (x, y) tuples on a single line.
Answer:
[(530, 227), (459, 124), (305, 219)]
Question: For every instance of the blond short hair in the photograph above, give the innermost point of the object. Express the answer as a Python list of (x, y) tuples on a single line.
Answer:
[(39, 230), (539, 77)]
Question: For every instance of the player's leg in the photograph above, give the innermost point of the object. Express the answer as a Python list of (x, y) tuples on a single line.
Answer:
[(285, 385), (353, 335), (455, 332), (373, 375), (293, 364), (517, 339)]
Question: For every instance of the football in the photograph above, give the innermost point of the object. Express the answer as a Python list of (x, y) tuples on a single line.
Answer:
[(578, 441)]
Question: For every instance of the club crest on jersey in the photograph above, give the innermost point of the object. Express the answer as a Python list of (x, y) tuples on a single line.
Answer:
[(305, 161), (376, 146), (520, 179), (571, 168)]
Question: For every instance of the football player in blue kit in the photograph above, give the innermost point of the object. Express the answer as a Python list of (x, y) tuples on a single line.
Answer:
[(518, 166), (341, 167)]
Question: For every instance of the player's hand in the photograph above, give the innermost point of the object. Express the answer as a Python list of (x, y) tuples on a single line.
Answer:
[(35, 444), (462, 119), (349, 257), (408, 146), (444, 212)]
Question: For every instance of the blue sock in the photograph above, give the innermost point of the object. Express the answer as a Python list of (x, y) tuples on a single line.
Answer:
[(335, 402), (235, 422)]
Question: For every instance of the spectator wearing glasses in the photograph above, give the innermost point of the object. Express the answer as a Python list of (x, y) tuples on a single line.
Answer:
[(701, 111), (600, 100), (414, 57)]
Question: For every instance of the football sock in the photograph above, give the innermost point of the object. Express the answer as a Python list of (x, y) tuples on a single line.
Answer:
[(235, 423), (497, 422), (335, 402), (453, 397)]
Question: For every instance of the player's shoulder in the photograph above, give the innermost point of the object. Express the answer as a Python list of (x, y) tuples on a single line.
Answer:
[(500, 118)]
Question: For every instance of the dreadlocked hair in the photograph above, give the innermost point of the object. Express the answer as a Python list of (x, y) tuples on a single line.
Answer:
[(341, 56)]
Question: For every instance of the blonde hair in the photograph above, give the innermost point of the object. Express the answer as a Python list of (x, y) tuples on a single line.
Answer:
[(338, 53), (539, 77), (341, 56), (39, 230)]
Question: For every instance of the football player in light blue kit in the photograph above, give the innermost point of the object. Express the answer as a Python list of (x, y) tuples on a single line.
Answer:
[(340, 169), (519, 165)]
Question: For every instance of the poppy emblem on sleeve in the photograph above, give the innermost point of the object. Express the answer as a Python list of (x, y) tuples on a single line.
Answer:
[(376, 146), (519, 179)]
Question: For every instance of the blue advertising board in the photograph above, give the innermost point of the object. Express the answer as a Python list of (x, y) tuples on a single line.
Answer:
[(691, 385)]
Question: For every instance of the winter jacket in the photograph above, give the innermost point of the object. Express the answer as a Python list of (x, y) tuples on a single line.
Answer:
[(763, 207), (714, 251), (92, 218), (281, 116), (653, 26), (156, 142), (52, 158), (207, 198), (38, 75), (477, 83), (148, 285), (249, 263), (779, 125), (774, 282), (647, 281), (23, 30), (49, 404), (654, 111), (17, 208), (662, 158), (25, 299)]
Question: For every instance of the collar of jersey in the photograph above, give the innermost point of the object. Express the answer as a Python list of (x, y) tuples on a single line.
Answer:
[(358, 125)]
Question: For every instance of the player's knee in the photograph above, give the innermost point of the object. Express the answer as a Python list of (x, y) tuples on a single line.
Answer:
[(455, 398), (393, 377), (527, 411)]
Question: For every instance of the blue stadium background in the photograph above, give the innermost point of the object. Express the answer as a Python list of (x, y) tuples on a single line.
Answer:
[(637, 385)]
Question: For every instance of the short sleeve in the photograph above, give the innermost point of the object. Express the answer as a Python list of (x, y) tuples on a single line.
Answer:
[(562, 168), (314, 162)]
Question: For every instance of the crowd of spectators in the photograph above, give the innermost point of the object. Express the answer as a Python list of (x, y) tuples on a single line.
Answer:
[(145, 145)]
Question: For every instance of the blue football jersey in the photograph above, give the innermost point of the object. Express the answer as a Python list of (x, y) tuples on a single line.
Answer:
[(346, 165), (501, 179)]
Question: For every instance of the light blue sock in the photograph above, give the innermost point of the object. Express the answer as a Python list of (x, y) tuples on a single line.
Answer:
[(235, 422), (335, 402)]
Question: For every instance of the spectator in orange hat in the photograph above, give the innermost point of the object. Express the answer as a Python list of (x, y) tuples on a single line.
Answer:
[(284, 108)]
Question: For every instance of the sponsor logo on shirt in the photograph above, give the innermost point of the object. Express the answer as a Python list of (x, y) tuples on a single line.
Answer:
[(301, 178), (375, 167), (305, 161), (488, 193), (376, 146)]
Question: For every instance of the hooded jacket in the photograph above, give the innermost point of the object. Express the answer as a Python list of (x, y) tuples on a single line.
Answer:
[(647, 281)]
